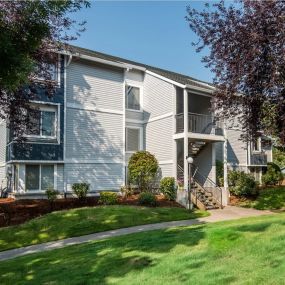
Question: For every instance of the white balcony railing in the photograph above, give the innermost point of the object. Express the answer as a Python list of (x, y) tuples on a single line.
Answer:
[(199, 123)]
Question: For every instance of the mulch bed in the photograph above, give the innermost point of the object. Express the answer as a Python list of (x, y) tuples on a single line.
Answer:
[(236, 201), (14, 212)]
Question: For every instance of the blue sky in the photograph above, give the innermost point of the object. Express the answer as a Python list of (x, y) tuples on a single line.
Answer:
[(155, 33)]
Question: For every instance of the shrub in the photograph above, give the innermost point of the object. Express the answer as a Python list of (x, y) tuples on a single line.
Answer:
[(220, 172), (108, 198), (273, 174), (143, 168), (51, 196), (127, 191), (147, 199), (168, 188), (80, 190), (241, 184)]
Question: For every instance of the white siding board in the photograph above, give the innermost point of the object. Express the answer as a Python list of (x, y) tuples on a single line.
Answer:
[(3, 141), (94, 86), (159, 138), (92, 135), (134, 115), (60, 177), (158, 97), (237, 149), (101, 176)]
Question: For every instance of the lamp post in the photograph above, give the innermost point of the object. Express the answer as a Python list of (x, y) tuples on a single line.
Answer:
[(190, 161)]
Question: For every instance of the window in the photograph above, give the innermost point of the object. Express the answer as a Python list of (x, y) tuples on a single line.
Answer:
[(132, 139), (39, 177), (132, 98), (43, 123), (256, 145), (48, 71)]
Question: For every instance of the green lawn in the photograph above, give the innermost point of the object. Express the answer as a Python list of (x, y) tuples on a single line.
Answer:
[(268, 199), (76, 222), (246, 251)]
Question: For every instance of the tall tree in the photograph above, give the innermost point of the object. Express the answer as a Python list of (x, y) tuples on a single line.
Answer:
[(246, 40), (29, 31)]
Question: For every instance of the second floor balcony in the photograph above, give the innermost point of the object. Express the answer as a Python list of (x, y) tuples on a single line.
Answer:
[(199, 123)]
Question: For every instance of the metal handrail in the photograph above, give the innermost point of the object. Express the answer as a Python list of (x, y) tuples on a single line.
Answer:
[(219, 195)]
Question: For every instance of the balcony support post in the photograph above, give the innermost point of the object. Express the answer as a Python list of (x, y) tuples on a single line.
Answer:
[(185, 111)]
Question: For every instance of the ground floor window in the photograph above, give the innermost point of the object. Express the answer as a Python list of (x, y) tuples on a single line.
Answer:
[(39, 177)]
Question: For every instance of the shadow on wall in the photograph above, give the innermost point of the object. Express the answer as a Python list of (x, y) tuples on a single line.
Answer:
[(94, 140)]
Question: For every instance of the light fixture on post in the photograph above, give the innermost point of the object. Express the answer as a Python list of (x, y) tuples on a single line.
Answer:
[(190, 162)]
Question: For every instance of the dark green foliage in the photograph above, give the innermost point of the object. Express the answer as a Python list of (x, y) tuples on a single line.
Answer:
[(108, 198), (220, 173), (143, 167), (273, 174), (241, 183), (168, 188), (147, 199), (80, 190)]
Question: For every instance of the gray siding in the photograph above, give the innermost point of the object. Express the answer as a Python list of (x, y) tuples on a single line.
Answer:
[(158, 97), (94, 86), (93, 135), (102, 176), (159, 138), (237, 149), (134, 115), (219, 151), (134, 77)]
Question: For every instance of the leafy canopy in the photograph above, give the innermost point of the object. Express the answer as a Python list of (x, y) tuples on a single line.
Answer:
[(246, 41), (29, 31)]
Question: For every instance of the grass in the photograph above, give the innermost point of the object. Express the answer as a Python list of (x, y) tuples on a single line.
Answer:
[(76, 222), (268, 199), (246, 251)]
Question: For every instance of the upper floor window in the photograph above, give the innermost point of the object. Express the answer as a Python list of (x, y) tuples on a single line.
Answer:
[(133, 98), (47, 71), (43, 122), (256, 144)]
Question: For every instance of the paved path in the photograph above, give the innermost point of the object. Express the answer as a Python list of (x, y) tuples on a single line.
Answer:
[(228, 213)]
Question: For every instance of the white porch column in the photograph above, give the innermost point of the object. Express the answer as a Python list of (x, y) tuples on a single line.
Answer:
[(225, 192), (214, 162), (185, 111)]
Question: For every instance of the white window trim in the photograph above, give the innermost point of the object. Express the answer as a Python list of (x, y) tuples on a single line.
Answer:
[(140, 138), (40, 190), (48, 108), (141, 96), (57, 75)]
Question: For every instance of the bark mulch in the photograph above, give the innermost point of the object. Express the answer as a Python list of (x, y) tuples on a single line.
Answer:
[(14, 212)]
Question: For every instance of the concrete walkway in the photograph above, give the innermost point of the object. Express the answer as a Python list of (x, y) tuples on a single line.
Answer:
[(228, 213)]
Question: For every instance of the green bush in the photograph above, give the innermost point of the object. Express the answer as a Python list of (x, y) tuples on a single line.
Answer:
[(143, 167), (220, 173), (127, 191), (108, 198), (147, 199), (273, 175), (242, 184), (168, 188), (51, 194), (80, 190)]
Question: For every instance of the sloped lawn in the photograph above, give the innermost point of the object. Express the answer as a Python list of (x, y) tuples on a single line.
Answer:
[(246, 251), (77, 222)]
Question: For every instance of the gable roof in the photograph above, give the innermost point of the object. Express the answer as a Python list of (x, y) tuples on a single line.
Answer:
[(177, 77)]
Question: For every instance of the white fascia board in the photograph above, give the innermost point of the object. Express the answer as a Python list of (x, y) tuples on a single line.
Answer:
[(193, 87), (165, 79)]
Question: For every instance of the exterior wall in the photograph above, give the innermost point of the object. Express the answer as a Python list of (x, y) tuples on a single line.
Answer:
[(3, 140), (205, 164), (38, 149), (94, 126), (159, 119)]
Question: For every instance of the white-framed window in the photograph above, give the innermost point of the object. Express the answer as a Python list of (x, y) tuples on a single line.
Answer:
[(39, 177), (133, 139), (133, 97), (256, 145), (44, 122)]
